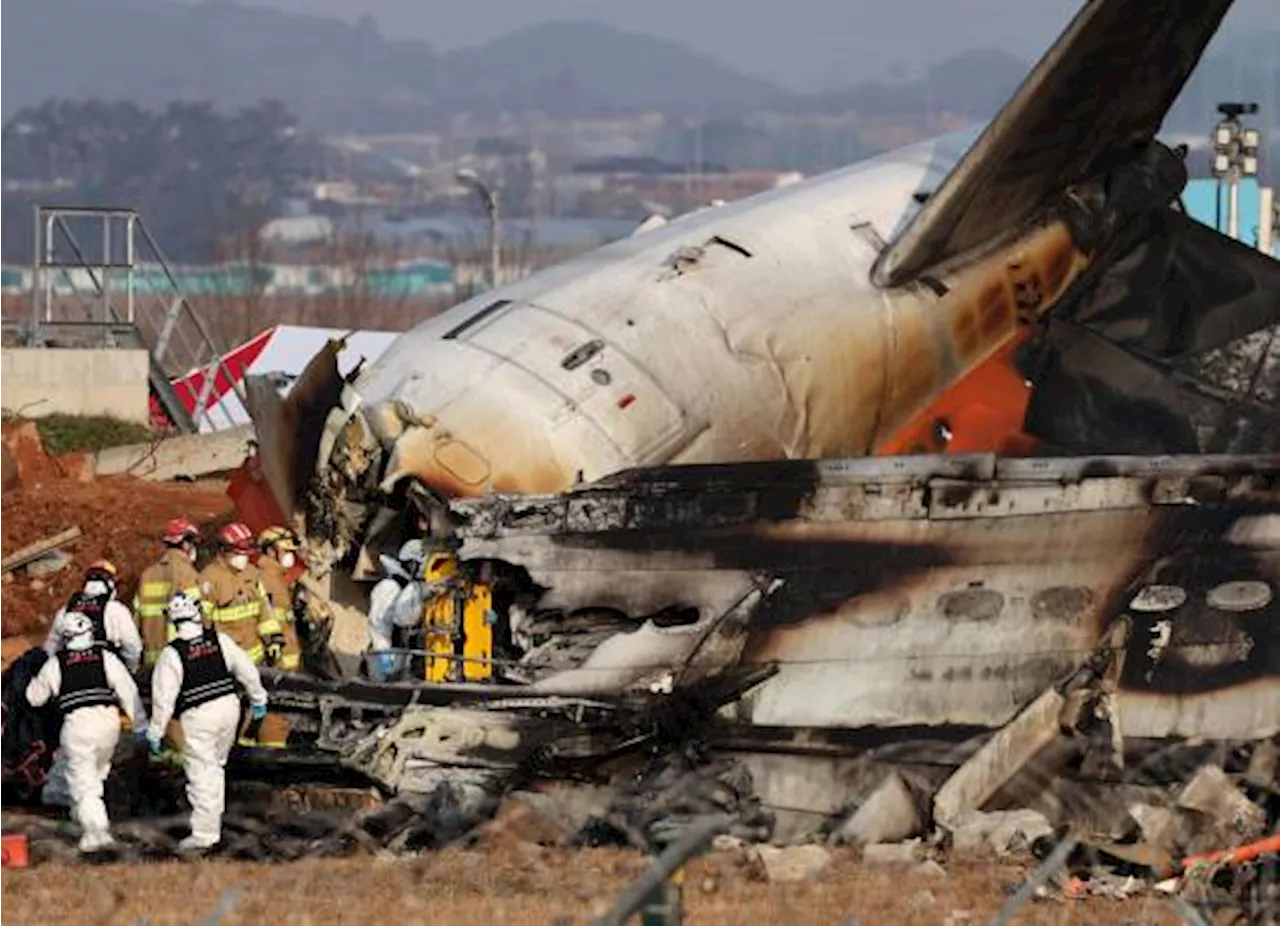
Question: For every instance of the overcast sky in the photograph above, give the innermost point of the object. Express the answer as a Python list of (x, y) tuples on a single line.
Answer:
[(804, 44)]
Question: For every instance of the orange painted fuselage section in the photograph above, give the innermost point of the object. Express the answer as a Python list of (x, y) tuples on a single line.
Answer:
[(982, 412)]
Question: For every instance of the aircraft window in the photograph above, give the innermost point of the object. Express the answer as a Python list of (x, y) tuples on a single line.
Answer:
[(601, 377), (1061, 602), (581, 354), (971, 604), (1247, 595), (1156, 598)]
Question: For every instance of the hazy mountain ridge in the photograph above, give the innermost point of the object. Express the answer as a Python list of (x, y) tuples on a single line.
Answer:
[(589, 64), (337, 75), (342, 76)]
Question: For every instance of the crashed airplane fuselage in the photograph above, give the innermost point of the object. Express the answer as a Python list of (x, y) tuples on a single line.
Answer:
[(829, 320), (936, 591), (816, 321)]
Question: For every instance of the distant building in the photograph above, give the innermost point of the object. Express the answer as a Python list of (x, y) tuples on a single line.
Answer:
[(303, 229), (639, 193), (1206, 202)]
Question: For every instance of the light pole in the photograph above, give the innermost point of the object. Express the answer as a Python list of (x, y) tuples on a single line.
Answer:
[(469, 178), (1235, 155)]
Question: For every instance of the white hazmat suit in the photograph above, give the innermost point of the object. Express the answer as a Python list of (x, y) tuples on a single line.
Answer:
[(121, 633), (395, 601), (208, 729), (89, 733)]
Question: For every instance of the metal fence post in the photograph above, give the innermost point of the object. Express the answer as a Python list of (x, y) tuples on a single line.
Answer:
[(650, 893)]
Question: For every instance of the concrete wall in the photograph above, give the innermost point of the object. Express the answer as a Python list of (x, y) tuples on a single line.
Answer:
[(43, 381), (186, 456)]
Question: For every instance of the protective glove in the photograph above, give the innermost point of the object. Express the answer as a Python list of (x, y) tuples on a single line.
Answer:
[(258, 711), (382, 666), (155, 745)]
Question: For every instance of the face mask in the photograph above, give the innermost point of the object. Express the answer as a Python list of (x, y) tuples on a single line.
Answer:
[(191, 554), (188, 630), (239, 561), (287, 559)]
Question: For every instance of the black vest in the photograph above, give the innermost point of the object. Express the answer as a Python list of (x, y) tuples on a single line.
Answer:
[(84, 680), (205, 676)]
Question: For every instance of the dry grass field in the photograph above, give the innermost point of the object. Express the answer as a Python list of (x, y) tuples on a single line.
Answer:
[(522, 884)]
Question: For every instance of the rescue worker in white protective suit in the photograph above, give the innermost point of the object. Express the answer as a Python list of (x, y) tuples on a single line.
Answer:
[(113, 627), (113, 621), (92, 686), (395, 601), (195, 679)]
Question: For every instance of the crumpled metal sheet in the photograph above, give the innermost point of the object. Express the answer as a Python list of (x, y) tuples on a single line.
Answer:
[(289, 430)]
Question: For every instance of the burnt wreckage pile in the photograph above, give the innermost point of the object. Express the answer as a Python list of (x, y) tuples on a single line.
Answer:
[(919, 656)]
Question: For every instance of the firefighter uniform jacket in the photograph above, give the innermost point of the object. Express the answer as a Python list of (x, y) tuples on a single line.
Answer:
[(238, 606), (171, 574), (280, 593)]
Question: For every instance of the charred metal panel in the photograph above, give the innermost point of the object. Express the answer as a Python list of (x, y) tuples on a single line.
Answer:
[(947, 601), (289, 430)]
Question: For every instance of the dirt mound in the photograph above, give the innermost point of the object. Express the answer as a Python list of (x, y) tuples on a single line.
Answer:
[(120, 519), (27, 463)]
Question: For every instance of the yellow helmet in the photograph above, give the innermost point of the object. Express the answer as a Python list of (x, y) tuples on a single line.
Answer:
[(440, 566), (277, 537)]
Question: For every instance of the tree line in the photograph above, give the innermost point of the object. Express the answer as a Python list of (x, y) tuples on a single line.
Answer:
[(196, 174)]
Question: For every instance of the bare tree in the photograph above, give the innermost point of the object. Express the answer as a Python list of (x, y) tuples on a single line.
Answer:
[(374, 287), (245, 274)]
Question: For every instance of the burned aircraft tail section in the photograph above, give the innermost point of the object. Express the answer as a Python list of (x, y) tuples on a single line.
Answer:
[(1096, 98), (1166, 348)]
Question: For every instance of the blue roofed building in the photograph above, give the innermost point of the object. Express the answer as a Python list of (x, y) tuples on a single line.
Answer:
[(1206, 204)]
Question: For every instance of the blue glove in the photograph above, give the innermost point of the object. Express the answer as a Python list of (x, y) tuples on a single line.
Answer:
[(491, 617), (154, 745), (258, 711), (381, 666)]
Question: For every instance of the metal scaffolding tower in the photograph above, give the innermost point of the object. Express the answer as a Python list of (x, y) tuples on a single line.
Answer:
[(103, 299)]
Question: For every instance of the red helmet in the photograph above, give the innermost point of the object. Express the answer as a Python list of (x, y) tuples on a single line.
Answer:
[(237, 537), (179, 530)]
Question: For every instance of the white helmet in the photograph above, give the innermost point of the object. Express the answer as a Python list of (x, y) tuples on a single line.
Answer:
[(96, 588), (407, 563), (182, 609), (75, 630)]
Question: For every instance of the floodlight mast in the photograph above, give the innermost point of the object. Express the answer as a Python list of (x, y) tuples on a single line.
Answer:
[(1235, 155)]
